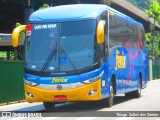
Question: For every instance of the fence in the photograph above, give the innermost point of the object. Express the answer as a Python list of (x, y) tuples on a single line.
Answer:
[(11, 81), (156, 69)]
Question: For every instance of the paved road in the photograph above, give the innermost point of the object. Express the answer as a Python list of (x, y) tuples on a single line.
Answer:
[(150, 101)]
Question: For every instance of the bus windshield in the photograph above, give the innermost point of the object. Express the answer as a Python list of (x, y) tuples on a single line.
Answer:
[(63, 46)]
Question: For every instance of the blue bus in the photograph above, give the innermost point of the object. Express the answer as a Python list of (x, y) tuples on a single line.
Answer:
[(83, 52)]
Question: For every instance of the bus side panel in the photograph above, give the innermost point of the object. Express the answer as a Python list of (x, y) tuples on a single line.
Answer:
[(105, 81), (128, 73), (114, 69), (126, 52), (145, 75)]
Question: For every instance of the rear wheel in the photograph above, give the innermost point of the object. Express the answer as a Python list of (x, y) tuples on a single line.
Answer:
[(129, 95), (49, 106), (137, 93)]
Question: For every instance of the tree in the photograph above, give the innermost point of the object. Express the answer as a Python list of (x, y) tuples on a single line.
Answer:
[(149, 37), (153, 12), (44, 6)]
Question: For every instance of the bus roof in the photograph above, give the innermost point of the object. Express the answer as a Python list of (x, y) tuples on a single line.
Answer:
[(73, 12)]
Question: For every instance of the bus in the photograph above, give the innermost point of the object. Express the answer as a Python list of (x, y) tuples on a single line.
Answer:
[(83, 52)]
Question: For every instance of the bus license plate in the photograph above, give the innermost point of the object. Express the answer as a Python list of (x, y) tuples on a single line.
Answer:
[(60, 98)]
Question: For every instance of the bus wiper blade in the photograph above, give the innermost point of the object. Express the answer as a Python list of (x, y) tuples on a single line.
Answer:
[(69, 59), (49, 59), (52, 54)]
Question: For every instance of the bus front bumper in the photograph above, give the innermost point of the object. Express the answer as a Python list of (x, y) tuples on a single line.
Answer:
[(34, 94)]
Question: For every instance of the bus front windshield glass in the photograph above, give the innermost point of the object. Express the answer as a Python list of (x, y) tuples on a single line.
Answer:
[(63, 46)]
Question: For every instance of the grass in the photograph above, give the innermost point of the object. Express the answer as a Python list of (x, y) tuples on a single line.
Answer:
[(3, 54)]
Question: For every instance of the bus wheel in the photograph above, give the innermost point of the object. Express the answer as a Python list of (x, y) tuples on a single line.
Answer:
[(137, 93), (108, 102), (129, 95), (49, 106)]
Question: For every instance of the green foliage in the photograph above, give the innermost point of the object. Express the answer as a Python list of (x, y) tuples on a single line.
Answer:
[(45, 5), (149, 38), (148, 43), (2, 55), (153, 10), (18, 24), (140, 3)]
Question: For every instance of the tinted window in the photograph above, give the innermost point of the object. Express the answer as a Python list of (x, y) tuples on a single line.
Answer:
[(122, 32)]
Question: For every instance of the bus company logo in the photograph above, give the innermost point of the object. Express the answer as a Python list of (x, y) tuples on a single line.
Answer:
[(59, 87), (58, 80)]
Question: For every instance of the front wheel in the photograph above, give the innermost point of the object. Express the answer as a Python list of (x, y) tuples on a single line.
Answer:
[(49, 106), (108, 102)]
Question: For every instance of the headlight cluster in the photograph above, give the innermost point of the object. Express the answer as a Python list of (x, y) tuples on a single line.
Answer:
[(91, 80), (30, 83)]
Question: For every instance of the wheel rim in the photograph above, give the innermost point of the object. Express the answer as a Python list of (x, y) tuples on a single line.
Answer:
[(139, 88), (111, 95)]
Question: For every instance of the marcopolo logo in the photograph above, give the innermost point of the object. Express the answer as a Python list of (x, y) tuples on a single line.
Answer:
[(59, 87), (58, 80)]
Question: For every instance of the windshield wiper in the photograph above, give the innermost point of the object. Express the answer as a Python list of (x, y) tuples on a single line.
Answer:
[(52, 54), (69, 59), (49, 58)]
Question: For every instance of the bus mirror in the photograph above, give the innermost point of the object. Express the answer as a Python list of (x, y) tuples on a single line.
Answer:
[(15, 34), (100, 32)]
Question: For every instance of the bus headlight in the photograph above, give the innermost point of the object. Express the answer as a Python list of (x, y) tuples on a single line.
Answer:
[(92, 92), (30, 83), (91, 80), (30, 95)]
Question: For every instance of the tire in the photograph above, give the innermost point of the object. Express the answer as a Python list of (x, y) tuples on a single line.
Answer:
[(49, 106), (108, 102), (137, 93), (129, 95)]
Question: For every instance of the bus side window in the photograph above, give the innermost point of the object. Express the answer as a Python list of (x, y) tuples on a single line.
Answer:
[(116, 31), (133, 36), (143, 38), (140, 38)]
